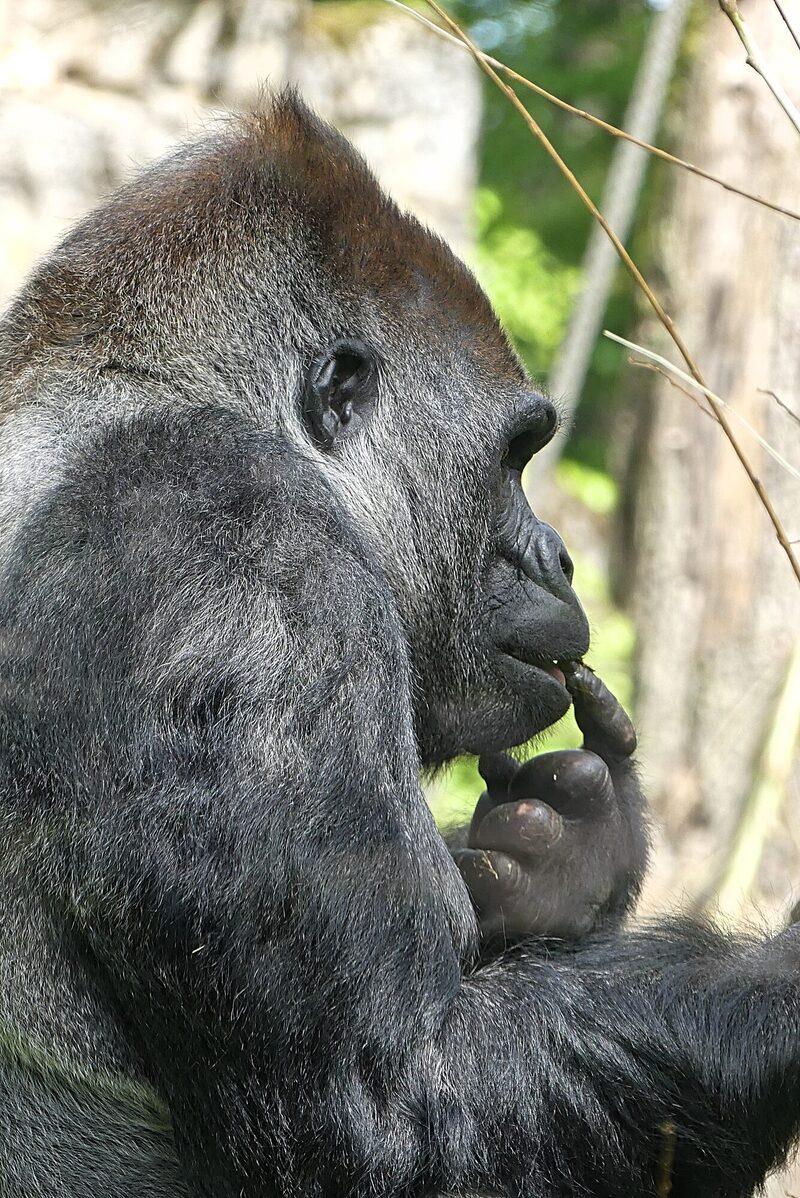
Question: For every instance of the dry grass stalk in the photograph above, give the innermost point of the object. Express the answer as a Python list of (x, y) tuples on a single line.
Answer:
[(666, 1163), (635, 273), (698, 403), (656, 151), (787, 22), (789, 411), (667, 370), (756, 60)]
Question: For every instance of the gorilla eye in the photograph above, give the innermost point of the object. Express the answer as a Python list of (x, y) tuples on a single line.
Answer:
[(339, 388)]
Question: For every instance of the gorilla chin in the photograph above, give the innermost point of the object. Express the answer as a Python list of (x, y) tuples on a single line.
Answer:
[(519, 700), (523, 701), (541, 689)]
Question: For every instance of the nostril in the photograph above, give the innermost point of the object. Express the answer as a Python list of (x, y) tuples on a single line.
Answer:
[(566, 563), (520, 451), (556, 562)]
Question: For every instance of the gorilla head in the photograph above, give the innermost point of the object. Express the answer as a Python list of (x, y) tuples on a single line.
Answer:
[(295, 288), (425, 419)]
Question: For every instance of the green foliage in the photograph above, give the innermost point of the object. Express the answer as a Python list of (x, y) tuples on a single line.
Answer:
[(532, 229), (530, 288), (342, 21), (596, 490)]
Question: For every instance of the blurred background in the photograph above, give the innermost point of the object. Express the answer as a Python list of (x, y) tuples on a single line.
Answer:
[(692, 603)]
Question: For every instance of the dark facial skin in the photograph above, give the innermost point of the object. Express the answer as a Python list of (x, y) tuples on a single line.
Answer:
[(528, 624), (535, 621)]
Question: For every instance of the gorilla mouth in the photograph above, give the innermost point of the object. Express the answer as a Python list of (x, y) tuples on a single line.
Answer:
[(557, 669), (555, 672)]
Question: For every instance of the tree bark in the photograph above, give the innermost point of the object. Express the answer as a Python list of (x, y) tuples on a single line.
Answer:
[(716, 606)]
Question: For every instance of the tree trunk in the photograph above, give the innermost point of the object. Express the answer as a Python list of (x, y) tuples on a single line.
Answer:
[(715, 603)]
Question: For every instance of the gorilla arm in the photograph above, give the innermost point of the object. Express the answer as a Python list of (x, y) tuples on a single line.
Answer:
[(350, 1047), (250, 871)]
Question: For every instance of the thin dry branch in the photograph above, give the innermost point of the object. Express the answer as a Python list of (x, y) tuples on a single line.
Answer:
[(787, 22), (673, 383), (666, 1163), (668, 370), (656, 151), (635, 273), (780, 403), (756, 60)]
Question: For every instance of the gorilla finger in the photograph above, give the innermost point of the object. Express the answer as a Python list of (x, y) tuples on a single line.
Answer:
[(497, 771), (526, 829), (576, 782), (504, 898), (491, 878), (484, 805), (604, 722)]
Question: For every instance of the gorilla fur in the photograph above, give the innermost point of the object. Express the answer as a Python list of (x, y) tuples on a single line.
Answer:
[(262, 558)]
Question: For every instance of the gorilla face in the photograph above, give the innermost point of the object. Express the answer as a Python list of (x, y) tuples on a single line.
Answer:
[(424, 419), (534, 622), (434, 461)]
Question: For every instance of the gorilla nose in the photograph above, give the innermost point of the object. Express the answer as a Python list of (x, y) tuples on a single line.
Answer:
[(556, 563)]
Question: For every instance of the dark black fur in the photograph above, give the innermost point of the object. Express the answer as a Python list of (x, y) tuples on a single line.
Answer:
[(237, 617)]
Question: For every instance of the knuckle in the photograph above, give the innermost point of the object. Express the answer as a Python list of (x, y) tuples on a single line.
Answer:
[(538, 825)]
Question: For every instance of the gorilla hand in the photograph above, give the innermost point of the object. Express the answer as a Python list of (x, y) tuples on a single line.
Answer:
[(558, 845)]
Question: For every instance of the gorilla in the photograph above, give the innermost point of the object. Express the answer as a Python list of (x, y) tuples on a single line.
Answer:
[(265, 558)]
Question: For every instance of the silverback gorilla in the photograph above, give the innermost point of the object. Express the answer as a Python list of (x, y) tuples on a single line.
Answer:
[(265, 556)]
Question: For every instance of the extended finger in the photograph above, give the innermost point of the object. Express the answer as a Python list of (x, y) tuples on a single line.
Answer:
[(602, 719), (576, 782), (525, 829), (497, 771)]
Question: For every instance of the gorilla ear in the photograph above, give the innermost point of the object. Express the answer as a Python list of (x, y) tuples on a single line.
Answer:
[(339, 388)]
